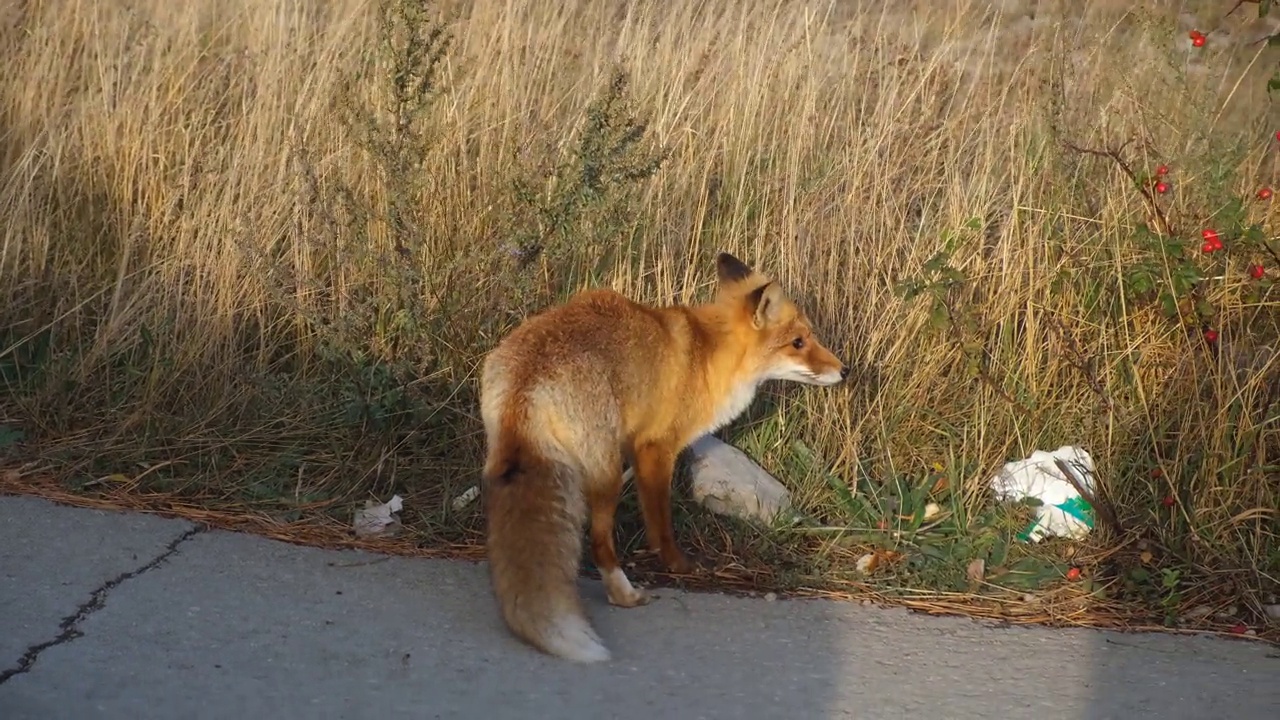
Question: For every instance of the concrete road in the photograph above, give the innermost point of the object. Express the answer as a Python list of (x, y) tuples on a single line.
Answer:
[(113, 615)]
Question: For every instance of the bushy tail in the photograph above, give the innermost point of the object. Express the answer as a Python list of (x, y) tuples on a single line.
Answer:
[(535, 515)]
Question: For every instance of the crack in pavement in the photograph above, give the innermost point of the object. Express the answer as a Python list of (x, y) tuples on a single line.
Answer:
[(97, 600)]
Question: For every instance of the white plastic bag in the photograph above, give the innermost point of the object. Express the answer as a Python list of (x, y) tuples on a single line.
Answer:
[(1064, 512), (378, 519)]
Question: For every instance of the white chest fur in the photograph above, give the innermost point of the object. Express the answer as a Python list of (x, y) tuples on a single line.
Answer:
[(732, 405)]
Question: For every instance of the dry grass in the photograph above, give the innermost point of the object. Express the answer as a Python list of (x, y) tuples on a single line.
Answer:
[(191, 308)]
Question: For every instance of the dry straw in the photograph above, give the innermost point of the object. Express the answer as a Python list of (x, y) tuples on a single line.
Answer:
[(173, 233)]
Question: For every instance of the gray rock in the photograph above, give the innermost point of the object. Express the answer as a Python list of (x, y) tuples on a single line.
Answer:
[(727, 482)]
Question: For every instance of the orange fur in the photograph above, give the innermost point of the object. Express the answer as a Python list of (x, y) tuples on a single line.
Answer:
[(575, 391)]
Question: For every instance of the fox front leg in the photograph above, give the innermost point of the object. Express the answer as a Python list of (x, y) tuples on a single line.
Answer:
[(654, 468)]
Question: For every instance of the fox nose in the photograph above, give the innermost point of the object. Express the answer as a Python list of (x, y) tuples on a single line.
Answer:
[(844, 372)]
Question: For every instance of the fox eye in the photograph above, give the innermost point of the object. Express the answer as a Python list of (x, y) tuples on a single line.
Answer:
[(798, 343)]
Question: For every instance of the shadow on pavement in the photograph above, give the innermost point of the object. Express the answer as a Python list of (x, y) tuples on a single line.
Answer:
[(231, 625)]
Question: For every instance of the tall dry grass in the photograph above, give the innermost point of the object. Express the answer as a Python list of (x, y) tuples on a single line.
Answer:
[(181, 303)]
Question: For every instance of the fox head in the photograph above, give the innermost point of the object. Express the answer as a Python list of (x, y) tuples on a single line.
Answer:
[(784, 346)]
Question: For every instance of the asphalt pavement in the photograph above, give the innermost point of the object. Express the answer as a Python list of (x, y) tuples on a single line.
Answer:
[(128, 616)]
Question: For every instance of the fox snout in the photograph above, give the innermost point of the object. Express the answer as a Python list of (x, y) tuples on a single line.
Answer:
[(826, 367), (844, 373), (834, 376), (826, 377)]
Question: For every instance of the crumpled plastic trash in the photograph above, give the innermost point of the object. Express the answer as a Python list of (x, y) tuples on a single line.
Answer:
[(378, 519), (1064, 512), (466, 498)]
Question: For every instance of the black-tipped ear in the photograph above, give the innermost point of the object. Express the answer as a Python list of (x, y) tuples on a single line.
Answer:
[(731, 269)]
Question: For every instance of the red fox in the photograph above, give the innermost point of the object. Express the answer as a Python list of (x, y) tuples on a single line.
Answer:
[(575, 391)]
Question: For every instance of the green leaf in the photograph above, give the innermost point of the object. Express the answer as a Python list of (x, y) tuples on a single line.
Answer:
[(1185, 277), (847, 500), (937, 262), (1172, 248), (10, 436), (803, 453), (910, 289), (1140, 279), (1232, 216), (1142, 235), (999, 553), (932, 551), (939, 319)]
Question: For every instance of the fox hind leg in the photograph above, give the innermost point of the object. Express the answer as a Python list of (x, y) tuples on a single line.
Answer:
[(602, 500)]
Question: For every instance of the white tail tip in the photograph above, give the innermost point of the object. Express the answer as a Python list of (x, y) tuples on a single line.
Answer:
[(571, 638)]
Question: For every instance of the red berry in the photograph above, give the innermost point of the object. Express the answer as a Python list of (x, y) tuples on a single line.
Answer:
[(1157, 473), (1073, 574), (1278, 134), (1167, 501), (1162, 187), (1264, 194), (1239, 629), (1194, 34), (1257, 272), (1211, 335), (1162, 170), (1211, 240), (1198, 42)]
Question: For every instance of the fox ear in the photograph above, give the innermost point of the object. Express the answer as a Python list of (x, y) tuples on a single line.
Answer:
[(731, 270), (766, 302)]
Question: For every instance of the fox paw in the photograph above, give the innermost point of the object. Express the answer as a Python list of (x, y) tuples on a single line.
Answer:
[(635, 598), (620, 591), (681, 565)]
